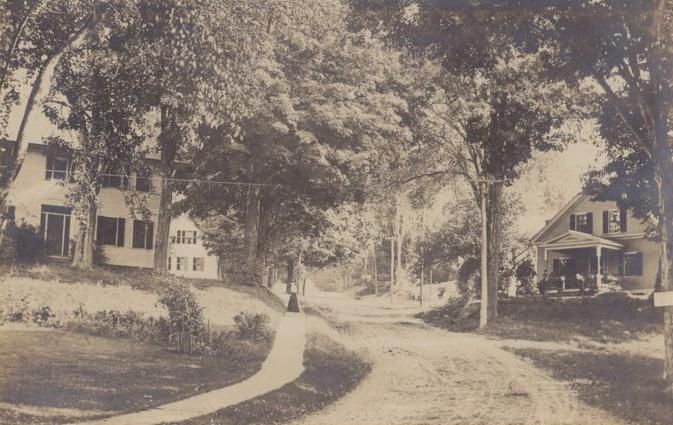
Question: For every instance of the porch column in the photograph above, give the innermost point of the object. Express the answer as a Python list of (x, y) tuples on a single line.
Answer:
[(599, 279)]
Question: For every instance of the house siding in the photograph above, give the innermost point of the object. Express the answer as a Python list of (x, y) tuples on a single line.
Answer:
[(31, 190)]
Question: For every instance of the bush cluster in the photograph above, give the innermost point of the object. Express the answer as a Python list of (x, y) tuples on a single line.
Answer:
[(252, 325), (183, 328)]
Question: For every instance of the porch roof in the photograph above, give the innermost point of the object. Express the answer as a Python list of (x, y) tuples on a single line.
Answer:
[(575, 240)]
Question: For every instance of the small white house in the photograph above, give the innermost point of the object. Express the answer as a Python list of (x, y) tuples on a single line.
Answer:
[(187, 256)]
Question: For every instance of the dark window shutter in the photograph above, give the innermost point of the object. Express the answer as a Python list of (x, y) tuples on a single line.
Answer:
[(66, 240), (149, 235), (121, 228), (43, 220), (50, 166), (639, 264), (590, 222), (572, 221), (622, 219), (606, 224), (99, 229)]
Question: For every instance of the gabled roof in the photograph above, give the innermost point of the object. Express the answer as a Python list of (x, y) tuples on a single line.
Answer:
[(563, 211), (574, 239)]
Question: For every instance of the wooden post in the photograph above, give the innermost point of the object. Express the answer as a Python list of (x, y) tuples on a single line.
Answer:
[(420, 299), (392, 266), (599, 277), (376, 274), (483, 313)]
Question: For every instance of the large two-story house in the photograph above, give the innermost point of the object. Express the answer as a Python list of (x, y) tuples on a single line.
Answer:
[(38, 198), (598, 240)]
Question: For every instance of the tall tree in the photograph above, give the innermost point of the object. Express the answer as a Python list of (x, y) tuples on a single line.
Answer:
[(495, 109), (328, 101), (96, 95), (199, 55), (625, 48)]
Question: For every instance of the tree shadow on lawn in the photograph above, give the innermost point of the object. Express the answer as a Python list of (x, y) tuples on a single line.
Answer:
[(627, 386), (331, 372), (608, 318), (59, 369)]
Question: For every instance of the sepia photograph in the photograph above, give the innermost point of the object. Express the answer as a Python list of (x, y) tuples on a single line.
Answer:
[(336, 212)]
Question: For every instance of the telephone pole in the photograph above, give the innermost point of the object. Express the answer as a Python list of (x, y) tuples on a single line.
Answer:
[(484, 185)]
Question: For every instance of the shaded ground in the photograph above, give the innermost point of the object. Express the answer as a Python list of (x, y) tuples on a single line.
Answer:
[(422, 375), (331, 371), (626, 385), (51, 376), (606, 318)]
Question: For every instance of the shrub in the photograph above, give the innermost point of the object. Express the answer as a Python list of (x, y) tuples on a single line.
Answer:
[(252, 325), (44, 316), (525, 274), (114, 323), (29, 243), (17, 309), (185, 315)]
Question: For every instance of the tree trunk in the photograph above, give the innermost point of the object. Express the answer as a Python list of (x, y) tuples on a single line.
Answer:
[(168, 143), (83, 256), (397, 230), (494, 214), (252, 208), (376, 272), (290, 275)]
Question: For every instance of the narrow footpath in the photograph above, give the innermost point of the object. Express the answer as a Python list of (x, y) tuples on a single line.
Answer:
[(283, 365)]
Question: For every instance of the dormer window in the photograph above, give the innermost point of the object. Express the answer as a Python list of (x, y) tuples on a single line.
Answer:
[(582, 222)]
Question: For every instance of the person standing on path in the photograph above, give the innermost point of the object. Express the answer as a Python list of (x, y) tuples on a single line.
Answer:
[(293, 304)]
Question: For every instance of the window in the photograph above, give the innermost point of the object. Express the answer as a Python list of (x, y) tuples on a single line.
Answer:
[(57, 167), (144, 182), (114, 177), (169, 263), (143, 234), (633, 264), (185, 237), (181, 263), (110, 231), (614, 221), (198, 264), (582, 222)]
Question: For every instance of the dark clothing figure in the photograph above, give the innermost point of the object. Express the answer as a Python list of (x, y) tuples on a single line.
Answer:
[(293, 305)]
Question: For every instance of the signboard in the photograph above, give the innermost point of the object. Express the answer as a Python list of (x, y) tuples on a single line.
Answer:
[(663, 299)]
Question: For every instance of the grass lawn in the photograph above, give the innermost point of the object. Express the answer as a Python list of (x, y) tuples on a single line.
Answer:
[(625, 385), (136, 278), (44, 372), (606, 318), (331, 372)]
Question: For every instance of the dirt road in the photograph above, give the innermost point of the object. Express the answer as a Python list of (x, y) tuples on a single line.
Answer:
[(422, 375)]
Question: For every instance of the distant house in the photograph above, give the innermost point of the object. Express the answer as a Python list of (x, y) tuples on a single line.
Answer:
[(187, 256), (597, 240), (39, 199)]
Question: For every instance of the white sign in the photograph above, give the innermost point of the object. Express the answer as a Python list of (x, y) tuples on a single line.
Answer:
[(663, 299)]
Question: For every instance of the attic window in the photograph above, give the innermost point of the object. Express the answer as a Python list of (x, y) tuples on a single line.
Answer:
[(582, 222)]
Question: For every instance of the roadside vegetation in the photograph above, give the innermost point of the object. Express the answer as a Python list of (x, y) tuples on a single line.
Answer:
[(601, 319), (331, 372)]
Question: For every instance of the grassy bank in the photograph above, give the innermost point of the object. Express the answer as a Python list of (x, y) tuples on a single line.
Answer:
[(331, 372), (606, 318)]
